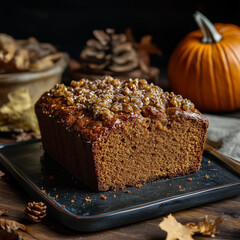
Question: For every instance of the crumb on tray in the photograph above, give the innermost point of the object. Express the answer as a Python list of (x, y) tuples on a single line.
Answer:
[(88, 199), (103, 197)]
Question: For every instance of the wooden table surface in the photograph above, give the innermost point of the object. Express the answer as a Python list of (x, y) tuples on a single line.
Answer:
[(15, 199)]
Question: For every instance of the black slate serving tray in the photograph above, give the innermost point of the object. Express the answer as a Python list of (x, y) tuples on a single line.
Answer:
[(64, 195)]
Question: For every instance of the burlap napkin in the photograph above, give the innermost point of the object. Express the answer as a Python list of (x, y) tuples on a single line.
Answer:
[(226, 130)]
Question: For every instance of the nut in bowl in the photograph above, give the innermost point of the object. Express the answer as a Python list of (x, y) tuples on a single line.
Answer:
[(30, 64)]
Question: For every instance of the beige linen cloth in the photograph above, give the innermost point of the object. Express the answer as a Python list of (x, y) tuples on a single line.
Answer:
[(226, 130)]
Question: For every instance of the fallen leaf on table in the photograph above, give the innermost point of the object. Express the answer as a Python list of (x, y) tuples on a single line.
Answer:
[(176, 230), (1, 173), (9, 234), (3, 212), (206, 227), (19, 112), (14, 225)]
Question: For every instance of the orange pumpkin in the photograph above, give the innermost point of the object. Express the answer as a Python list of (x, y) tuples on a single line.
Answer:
[(205, 66)]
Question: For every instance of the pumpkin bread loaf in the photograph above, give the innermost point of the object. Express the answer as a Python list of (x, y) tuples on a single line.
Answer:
[(111, 133)]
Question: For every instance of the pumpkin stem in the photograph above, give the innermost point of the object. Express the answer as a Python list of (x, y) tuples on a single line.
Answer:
[(210, 34)]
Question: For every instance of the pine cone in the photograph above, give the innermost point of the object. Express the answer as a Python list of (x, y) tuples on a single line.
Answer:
[(109, 52), (36, 211)]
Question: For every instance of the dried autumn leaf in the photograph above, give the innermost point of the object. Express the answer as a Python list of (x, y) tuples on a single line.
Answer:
[(176, 230), (148, 46), (1, 173), (19, 112), (21, 60), (19, 63), (7, 48), (3, 212), (14, 225), (205, 226), (36, 49), (145, 43), (41, 64), (144, 64), (46, 62), (143, 49), (21, 55), (130, 37), (9, 234)]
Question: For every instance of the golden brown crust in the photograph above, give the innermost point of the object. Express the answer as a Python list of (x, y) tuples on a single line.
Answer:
[(91, 148)]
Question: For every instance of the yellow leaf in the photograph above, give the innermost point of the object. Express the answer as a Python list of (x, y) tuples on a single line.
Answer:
[(176, 230), (19, 101), (19, 112), (14, 225)]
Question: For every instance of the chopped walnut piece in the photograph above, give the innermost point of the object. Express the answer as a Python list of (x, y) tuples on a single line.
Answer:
[(109, 97)]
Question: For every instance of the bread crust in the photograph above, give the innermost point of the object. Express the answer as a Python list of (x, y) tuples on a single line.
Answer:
[(93, 150)]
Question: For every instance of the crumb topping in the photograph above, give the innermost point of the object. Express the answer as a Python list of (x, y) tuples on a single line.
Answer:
[(110, 97)]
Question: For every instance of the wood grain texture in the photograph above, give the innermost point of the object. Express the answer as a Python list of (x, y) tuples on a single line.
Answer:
[(15, 199)]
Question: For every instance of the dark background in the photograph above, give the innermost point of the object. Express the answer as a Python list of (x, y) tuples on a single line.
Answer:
[(69, 23)]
